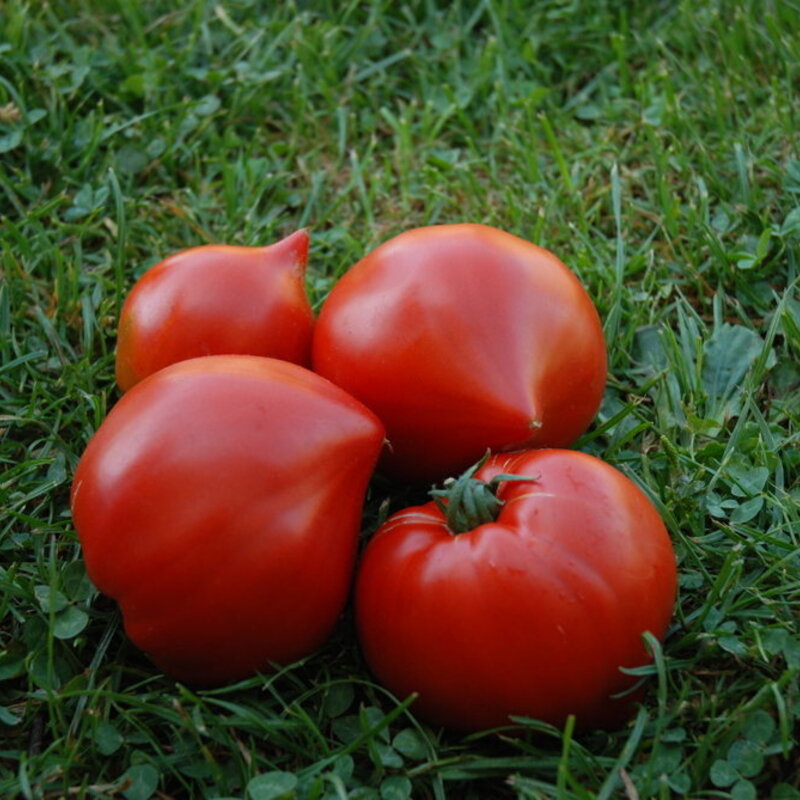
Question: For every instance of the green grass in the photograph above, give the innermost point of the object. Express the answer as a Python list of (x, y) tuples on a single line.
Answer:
[(652, 145)]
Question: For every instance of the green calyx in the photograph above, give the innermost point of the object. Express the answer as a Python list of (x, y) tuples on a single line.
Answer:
[(468, 502)]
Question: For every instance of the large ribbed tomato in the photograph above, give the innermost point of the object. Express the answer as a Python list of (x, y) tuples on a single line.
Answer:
[(525, 599), (463, 338), (216, 300), (220, 503)]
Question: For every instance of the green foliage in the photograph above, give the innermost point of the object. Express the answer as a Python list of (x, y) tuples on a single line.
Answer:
[(651, 145)]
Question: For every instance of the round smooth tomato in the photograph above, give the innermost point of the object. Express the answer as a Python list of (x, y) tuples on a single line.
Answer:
[(220, 504), (531, 609), (463, 338), (217, 300)]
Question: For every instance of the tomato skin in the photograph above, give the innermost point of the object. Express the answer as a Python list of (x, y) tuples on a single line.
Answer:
[(530, 615), (220, 504), (216, 300), (463, 338)]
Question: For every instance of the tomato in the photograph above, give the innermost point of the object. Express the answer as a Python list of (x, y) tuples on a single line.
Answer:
[(214, 300), (220, 504), (532, 609), (463, 338)]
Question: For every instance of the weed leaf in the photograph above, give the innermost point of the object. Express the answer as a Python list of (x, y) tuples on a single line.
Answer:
[(728, 355), (271, 786)]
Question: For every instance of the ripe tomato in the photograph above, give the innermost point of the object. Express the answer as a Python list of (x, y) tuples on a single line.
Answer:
[(463, 338), (216, 300), (531, 614), (220, 504)]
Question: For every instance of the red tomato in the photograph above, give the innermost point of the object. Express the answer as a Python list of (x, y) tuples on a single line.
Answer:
[(532, 614), (216, 300), (220, 504), (463, 338)]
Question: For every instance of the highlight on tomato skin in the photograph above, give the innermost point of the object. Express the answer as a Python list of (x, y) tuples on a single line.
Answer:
[(217, 300), (462, 338), (220, 504), (531, 611)]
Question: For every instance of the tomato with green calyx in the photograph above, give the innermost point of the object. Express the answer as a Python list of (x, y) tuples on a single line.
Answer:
[(524, 591), (220, 504), (463, 338), (217, 300)]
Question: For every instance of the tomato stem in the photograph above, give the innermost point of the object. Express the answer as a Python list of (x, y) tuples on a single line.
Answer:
[(468, 502)]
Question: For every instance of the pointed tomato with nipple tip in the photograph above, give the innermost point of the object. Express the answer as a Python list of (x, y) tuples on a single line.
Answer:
[(217, 300), (524, 592), (219, 504), (463, 338)]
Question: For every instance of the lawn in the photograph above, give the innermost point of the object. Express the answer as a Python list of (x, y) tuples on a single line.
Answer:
[(652, 145)]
